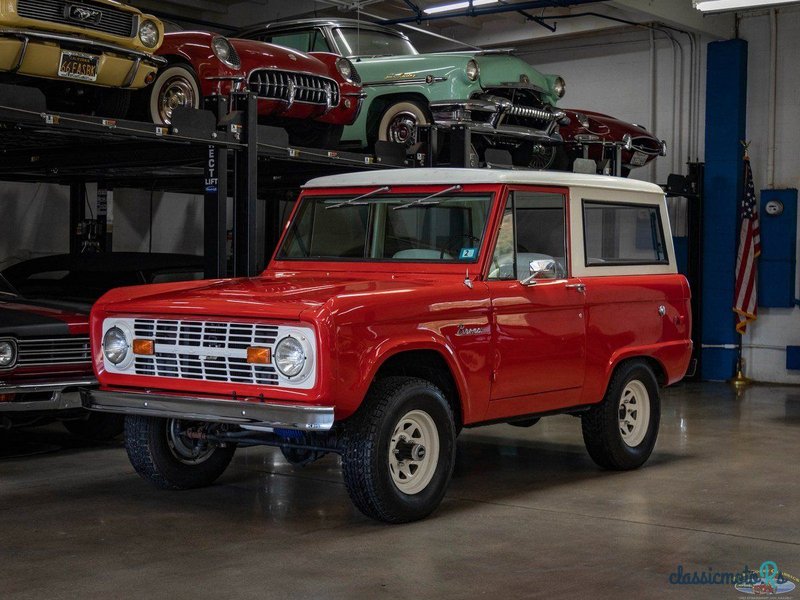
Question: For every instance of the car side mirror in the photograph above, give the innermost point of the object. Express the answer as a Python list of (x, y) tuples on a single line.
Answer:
[(540, 269)]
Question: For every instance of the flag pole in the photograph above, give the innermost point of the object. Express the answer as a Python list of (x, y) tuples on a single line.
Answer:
[(740, 382)]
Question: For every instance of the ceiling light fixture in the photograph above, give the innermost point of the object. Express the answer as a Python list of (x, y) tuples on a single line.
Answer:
[(456, 6), (723, 5)]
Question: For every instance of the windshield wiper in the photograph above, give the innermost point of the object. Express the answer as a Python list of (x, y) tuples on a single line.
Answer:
[(355, 201), (429, 200)]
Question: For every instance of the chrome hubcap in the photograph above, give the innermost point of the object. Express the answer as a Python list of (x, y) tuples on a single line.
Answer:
[(414, 452), (403, 128), (634, 413), (174, 93)]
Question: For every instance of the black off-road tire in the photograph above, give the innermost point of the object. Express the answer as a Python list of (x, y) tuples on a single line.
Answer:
[(601, 424), (149, 453), (100, 427), (366, 442)]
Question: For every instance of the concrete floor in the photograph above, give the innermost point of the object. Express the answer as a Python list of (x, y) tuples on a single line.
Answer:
[(527, 516)]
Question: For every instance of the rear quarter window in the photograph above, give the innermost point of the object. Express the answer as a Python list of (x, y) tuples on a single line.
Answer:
[(618, 234)]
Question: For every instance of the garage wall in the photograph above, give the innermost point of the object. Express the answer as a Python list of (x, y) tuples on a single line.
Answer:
[(767, 338)]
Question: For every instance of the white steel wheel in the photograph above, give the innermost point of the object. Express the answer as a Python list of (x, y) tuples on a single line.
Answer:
[(634, 413), (174, 87), (414, 452), (399, 123)]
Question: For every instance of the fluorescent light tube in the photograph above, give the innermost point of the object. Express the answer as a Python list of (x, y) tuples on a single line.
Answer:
[(456, 6), (722, 5)]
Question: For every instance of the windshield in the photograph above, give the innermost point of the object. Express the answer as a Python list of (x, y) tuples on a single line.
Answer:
[(355, 43), (389, 227)]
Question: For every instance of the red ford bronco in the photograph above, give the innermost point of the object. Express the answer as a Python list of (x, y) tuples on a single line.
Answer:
[(399, 307)]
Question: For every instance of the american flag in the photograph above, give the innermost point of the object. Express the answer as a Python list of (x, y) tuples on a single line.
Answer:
[(745, 293)]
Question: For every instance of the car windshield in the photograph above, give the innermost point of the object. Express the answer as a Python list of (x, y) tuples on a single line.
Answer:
[(365, 43), (439, 227)]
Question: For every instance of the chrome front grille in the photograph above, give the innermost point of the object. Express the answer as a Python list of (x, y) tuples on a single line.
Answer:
[(205, 350), (112, 20), (294, 87), (35, 352)]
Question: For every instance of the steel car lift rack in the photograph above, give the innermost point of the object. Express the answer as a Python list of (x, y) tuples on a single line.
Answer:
[(203, 152)]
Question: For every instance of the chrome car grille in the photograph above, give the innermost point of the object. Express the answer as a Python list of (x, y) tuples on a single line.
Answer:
[(110, 19), (294, 87), (205, 350), (35, 352)]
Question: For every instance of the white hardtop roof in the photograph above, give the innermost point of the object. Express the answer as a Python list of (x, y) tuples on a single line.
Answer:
[(453, 176)]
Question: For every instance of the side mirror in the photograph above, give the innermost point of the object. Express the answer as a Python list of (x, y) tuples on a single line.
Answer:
[(540, 269)]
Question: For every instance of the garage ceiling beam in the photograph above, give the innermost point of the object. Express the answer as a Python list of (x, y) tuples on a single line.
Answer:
[(680, 14)]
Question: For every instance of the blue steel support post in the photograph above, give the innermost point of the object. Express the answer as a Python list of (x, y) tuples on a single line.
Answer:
[(726, 106)]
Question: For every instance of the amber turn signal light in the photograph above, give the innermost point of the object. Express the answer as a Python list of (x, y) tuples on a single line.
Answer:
[(259, 356), (147, 347)]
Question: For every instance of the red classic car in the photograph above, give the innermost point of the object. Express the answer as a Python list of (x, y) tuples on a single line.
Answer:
[(597, 136), (44, 359), (400, 307), (313, 95)]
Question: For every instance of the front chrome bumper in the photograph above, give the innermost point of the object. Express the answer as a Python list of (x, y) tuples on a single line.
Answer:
[(28, 35), (450, 113), (255, 413), (58, 400)]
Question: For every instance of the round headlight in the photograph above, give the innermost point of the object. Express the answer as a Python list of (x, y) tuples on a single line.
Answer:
[(148, 34), (583, 120), (473, 72), (225, 52), (290, 357), (8, 353), (347, 70), (560, 87), (627, 142), (115, 345)]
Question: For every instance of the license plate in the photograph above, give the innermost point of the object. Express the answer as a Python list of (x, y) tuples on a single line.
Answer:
[(76, 65), (639, 159)]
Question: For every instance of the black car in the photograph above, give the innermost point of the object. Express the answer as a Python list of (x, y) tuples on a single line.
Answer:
[(84, 278)]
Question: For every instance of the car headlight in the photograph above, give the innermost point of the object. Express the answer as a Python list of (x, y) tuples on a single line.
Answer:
[(473, 72), (627, 142), (290, 357), (583, 120), (8, 353), (224, 51), (115, 345), (560, 87), (347, 70), (148, 34)]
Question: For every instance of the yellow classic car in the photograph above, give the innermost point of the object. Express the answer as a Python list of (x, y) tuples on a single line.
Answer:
[(103, 44)]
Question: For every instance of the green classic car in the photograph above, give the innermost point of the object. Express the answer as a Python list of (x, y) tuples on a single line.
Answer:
[(495, 92)]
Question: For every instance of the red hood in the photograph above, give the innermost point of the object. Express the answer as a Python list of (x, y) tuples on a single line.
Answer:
[(260, 297), (270, 56)]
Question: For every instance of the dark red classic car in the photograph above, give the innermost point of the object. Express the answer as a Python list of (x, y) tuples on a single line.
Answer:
[(44, 359), (313, 95), (596, 136)]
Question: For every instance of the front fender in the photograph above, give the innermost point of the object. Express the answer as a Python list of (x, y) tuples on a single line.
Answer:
[(371, 362)]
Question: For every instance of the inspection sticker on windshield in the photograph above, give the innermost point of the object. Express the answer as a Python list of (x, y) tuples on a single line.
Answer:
[(467, 253)]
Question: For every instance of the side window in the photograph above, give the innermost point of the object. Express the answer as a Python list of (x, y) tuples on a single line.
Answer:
[(622, 234), (533, 229)]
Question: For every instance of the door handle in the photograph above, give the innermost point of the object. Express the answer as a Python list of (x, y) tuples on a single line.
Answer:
[(581, 287)]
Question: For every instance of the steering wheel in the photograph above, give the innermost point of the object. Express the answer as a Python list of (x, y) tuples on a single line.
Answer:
[(455, 240)]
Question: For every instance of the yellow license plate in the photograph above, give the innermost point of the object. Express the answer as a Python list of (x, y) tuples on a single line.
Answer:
[(76, 65)]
